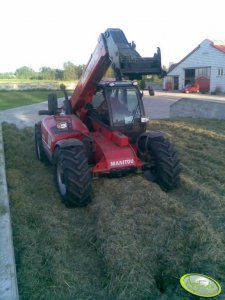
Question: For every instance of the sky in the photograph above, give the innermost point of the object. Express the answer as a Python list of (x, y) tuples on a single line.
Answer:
[(38, 33)]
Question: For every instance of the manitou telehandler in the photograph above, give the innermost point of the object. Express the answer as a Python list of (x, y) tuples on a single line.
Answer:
[(101, 128)]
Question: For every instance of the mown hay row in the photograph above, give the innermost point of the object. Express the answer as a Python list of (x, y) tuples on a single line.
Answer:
[(133, 241), (148, 240)]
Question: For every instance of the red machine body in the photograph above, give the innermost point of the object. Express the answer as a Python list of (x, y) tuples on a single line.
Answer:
[(101, 129), (112, 150)]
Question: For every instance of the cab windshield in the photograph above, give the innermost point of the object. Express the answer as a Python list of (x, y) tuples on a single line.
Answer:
[(117, 106), (124, 104)]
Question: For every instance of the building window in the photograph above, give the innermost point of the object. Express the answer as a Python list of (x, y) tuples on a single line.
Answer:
[(202, 72), (220, 72)]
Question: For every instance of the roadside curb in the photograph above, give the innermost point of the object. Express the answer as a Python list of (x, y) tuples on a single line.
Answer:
[(8, 279), (198, 108)]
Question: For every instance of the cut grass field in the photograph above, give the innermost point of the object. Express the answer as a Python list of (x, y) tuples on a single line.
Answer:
[(12, 99), (25, 81), (133, 241)]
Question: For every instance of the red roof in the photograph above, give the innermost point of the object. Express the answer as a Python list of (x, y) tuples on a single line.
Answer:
[(218, 46)]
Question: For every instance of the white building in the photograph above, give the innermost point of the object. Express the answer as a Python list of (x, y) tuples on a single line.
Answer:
[(204, 65)]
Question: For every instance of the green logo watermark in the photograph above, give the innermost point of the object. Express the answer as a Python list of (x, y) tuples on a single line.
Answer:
[(200, 285)]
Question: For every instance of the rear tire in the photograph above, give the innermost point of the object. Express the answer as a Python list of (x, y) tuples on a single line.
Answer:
[(72, 176), (165, 168), (40, 153)]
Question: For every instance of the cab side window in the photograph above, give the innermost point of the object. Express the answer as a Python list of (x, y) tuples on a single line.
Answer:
[(101, 108), (98, 99)]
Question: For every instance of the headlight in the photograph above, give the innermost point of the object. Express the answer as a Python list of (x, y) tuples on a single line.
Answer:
[(62, 125), (144, 119)]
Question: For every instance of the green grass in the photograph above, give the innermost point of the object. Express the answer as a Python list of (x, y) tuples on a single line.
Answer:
[(31, 81), (12, 99), (22, 81), (133, 241)]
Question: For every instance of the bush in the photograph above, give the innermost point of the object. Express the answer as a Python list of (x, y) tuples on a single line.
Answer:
[(217, 91)]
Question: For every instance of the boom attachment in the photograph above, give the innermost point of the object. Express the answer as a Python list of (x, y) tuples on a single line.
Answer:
[(126, 61), (113, 50)]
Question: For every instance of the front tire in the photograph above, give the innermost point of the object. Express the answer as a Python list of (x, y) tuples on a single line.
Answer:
[(72, 176), (40, 153), (164, 165)]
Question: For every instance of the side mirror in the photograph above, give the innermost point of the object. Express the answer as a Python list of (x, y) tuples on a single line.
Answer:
[(52, 106), (43, 112)]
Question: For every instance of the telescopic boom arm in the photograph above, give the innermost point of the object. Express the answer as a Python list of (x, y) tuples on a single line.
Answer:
[(113, 50)]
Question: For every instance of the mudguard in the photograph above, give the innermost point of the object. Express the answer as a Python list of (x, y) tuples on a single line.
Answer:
[(69, 143), (152, 134), (144, 138)]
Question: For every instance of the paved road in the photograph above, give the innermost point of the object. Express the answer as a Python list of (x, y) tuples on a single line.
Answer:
[(156, 107), (23, 116)]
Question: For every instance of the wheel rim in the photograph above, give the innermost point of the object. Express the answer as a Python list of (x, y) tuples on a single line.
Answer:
[(61, 185)]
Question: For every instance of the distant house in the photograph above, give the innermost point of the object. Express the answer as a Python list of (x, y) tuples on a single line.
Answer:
[(204, 65)]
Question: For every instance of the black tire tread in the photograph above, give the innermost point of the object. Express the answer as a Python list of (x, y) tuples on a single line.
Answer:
[(38, 143), (166, 161), (77, 176)]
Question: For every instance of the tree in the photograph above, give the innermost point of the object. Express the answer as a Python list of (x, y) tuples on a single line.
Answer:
[(79, 70), (47, 73), (25, 72), (59, 74), (7, 75), (109, 73), (142, 83), (69, 71)]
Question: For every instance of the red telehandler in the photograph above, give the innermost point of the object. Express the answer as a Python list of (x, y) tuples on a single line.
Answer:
[(101, 128)]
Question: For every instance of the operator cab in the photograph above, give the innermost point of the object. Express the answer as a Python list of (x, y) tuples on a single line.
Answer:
[(118, 106)]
